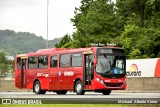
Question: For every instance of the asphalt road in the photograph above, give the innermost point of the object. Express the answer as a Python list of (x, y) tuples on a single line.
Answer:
[(72, 98), (73, 95)]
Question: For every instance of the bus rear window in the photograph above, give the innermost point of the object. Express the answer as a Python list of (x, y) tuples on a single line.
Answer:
[(18, 63)]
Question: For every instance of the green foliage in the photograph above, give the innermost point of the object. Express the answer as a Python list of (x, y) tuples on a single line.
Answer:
[(135, 54), (13, 42), (4, 64), (65, 42), (140, 42), (141, 20), (95, 22), (139, 12)]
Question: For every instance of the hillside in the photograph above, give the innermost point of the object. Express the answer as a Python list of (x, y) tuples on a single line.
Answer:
[(13, 42)]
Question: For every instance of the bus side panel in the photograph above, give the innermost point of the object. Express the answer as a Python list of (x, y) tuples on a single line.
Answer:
[(68, 77), (31, 76), (44, 81), (77, 74), (55, 79), (43, 77), (64, 78), (17, 77)]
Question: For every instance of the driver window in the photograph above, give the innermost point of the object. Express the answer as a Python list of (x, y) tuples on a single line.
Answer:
[(120, 64)]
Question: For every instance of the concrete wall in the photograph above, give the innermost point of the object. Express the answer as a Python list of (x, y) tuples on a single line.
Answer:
[(8, 85), (146, 84)]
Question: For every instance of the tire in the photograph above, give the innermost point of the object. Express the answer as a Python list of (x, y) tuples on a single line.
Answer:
[(106, 92), (37, 88), (58, 92), (79, 88), (63, 92)]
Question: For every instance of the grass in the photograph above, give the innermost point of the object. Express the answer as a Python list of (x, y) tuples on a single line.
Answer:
[(82, 105)]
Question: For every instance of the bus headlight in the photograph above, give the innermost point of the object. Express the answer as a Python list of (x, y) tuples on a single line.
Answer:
[(99, 80), (125, 81)]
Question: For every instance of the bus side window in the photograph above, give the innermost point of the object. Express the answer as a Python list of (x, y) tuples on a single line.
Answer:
[(42, 61), (53, 62), (65, 60), (76, 60), (32, 62)]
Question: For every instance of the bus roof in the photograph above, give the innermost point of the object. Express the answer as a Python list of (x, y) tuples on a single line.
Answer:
[(51, 50), (62, 50)]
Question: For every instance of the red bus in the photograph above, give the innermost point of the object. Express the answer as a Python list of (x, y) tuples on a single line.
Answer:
[(99, 69)]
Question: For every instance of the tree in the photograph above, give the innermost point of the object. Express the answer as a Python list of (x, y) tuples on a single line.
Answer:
[(139, 21), (95, 22), (65, 42), (141, 42), (4, 64), (143, 13)]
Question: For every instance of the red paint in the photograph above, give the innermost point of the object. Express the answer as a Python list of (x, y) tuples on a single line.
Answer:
[(134, 66), (157, 69)]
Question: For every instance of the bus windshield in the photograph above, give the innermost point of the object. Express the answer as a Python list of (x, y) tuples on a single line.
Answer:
[(110, 63)]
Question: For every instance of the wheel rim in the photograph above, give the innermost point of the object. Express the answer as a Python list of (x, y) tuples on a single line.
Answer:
[(37, 87), (79, 87)]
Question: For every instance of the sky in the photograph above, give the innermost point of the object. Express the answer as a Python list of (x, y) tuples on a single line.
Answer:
[(31, 16)]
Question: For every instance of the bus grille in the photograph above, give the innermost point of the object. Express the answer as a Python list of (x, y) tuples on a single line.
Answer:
[(113, 84)]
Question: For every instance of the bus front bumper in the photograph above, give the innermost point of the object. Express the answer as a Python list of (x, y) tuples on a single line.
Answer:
[(98, 84)]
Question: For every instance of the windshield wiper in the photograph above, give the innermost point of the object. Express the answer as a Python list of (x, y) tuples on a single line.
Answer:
[(106, 71)]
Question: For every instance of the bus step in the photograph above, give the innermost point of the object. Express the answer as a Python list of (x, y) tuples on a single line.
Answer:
[(88, 87)]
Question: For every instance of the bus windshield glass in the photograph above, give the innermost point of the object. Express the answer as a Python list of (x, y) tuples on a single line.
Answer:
[(110, 61)]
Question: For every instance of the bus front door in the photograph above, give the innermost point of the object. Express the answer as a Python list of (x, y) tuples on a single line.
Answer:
[(87, 71)]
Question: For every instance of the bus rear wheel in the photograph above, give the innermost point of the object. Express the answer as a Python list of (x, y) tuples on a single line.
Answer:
[(37, 88), (79, 88), (106, 92)]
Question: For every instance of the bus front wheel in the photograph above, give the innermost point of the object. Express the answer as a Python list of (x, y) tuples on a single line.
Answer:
[(79, 88), (106, 92), (37, 88)]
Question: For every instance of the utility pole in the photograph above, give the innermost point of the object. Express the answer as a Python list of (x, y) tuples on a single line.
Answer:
[(47, 25)]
